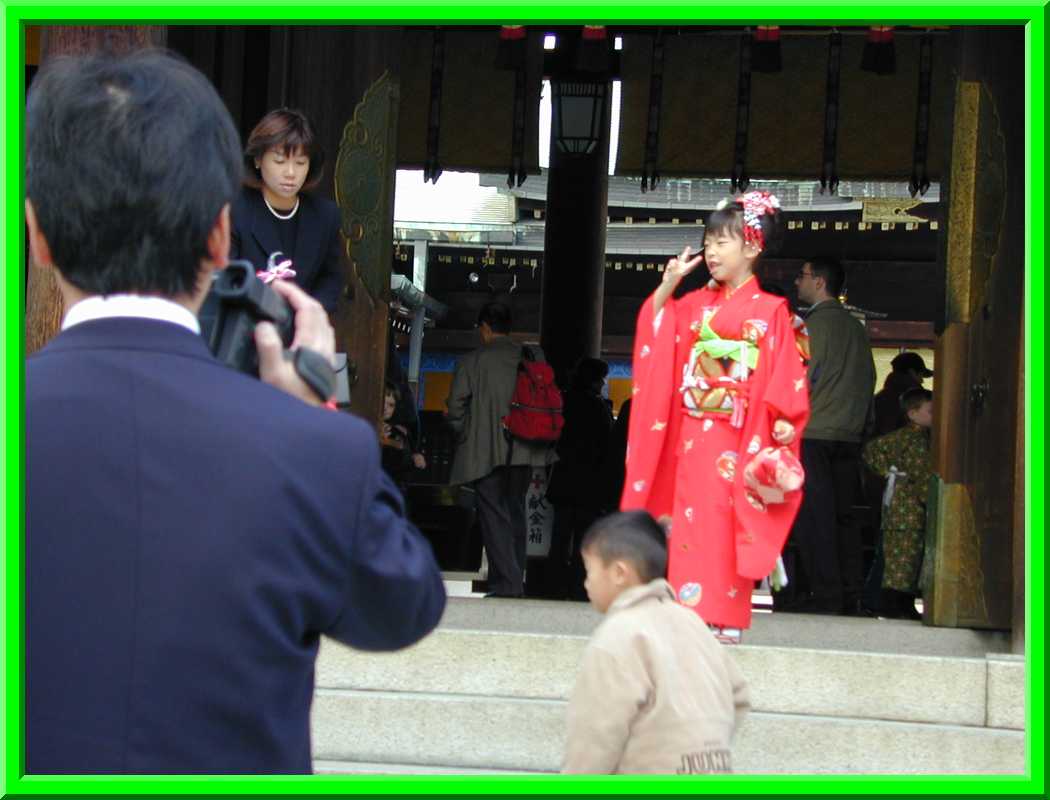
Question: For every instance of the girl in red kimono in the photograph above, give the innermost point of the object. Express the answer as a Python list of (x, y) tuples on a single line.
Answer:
[(720, 401)]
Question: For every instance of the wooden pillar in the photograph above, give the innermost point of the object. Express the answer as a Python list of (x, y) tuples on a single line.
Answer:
[(1020, 574), (43, 302), (573, 283), (974, 575)]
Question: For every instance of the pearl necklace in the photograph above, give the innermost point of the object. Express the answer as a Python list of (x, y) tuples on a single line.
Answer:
[(274, 211)]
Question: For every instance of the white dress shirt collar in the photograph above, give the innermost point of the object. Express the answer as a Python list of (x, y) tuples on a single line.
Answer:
[(130, 305)]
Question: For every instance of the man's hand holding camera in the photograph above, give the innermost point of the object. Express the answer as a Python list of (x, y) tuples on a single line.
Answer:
[(312, 330)]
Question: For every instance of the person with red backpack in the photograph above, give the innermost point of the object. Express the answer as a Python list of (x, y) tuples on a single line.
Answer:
[(506, 410)]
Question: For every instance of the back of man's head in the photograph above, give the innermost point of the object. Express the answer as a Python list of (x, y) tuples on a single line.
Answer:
[(833, 273), (496, 316), (631, 536), (129, 161)]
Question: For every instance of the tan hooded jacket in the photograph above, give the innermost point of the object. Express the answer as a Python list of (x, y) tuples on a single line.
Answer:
[(655, 693)]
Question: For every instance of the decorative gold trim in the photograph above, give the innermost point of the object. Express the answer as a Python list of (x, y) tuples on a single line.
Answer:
[(890, 210), (962, 205)]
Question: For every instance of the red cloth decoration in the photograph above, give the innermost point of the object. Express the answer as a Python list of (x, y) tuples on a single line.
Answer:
[(880, 34)]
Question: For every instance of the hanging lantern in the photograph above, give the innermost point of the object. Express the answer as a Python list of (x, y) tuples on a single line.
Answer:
[(765, 51), (577, 114), (879, 53)]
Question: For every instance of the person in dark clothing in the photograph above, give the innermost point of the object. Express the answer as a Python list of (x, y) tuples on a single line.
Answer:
[(614, 470), (400, 449), (191, 532), (576, 490), (279, 225), (909, 371), (841, 375)]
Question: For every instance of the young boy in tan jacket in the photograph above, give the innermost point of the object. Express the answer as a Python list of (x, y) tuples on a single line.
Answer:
[(656, 693)]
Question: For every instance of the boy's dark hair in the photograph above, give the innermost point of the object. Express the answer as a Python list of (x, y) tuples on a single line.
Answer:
[(912, 399), (730, 219), (832, 271), (631, 536), (497, 315), (287, 130), (129, 161)]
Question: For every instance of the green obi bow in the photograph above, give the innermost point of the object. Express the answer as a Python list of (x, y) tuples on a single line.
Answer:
[(711, 343)]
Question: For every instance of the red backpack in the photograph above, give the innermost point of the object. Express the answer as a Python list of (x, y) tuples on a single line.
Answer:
[(536, 406)]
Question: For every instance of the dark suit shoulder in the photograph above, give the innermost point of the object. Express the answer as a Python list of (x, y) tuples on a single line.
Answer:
[(319, 208)]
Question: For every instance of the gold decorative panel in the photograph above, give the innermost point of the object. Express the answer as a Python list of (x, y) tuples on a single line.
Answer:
[(364, 184)]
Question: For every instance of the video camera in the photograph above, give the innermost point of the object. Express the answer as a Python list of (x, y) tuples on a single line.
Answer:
[(236, 303)]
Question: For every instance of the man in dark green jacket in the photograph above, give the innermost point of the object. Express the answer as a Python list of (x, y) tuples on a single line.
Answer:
[(841, 382)]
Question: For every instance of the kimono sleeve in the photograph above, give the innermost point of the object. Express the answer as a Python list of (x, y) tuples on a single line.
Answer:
[(878, 456), (772, 434), (649, 481), (786, 396)]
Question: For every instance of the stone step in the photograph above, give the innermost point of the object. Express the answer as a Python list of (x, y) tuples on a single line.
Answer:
[(808, 631), (358, 768), (906, 688), (455, 732)]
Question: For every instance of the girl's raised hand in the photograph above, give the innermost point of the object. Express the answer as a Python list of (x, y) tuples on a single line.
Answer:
[(682, 265)]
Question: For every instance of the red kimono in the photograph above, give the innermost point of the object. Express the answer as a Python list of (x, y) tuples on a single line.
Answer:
[(720, 402)]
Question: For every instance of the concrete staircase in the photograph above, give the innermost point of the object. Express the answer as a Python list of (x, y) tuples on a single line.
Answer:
[(486, 693)]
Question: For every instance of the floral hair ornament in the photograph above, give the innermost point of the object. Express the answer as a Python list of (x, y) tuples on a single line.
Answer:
[(756, 205)]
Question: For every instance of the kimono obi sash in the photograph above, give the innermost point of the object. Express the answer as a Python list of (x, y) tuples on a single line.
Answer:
[(715, 379)]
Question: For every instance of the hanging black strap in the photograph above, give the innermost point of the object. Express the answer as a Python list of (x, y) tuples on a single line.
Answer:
[(920, 180), (740, 179), (517, 155), (829, 170), (431, 169), (652, 134)]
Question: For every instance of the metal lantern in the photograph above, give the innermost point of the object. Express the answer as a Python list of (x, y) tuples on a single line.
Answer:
[(578, 113)]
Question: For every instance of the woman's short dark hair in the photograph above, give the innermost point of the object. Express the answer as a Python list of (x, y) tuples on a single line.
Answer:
[(729, 218), (129, 161), (496, 316), (288, 131), (631, 536)]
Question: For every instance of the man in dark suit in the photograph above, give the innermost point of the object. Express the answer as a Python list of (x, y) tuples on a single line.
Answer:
[(191, 532)]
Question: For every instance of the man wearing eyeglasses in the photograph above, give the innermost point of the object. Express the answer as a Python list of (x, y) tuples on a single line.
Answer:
[(841, 377)]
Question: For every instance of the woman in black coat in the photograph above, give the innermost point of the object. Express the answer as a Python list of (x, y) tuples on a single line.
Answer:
[(275, 214)]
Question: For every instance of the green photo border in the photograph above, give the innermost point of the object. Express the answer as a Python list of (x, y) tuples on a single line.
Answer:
[(17, 14)]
